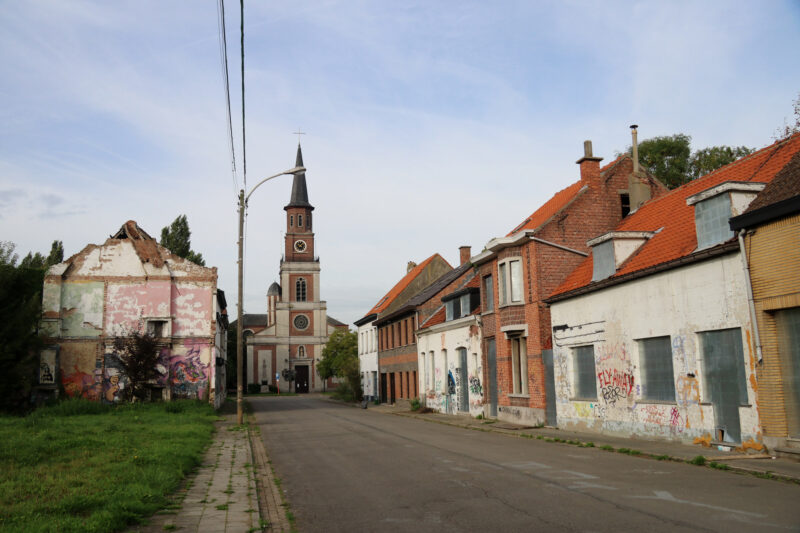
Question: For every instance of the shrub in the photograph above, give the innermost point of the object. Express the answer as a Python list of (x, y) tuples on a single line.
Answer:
[(699, 461), (415, 404)]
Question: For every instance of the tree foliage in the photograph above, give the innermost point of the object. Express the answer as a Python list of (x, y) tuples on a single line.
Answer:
[(20, 309), (138, 354), (670, 158), (340, 359), (177, 239)]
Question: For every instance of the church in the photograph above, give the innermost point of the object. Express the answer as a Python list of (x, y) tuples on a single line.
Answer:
[(287, 341)]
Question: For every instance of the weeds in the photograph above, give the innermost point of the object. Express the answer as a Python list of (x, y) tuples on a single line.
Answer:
[(699, 461), (719, 466), (607, 448)]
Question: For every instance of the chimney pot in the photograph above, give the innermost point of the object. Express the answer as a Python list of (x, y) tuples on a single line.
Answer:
[(590, 165), (587, 148), (465, 252)]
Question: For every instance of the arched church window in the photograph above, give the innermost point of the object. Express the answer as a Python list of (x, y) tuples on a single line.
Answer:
[(300, 290), (300, 220), (291, 220)]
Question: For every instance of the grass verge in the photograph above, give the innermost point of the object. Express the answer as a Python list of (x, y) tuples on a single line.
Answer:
[(92, 467)]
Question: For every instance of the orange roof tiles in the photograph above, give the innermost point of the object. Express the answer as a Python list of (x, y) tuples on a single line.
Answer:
[(675, 220), (555, 204), (438, 317), (386, 301)]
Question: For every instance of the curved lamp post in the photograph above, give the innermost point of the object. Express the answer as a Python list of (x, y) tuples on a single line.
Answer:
[(242, 206)]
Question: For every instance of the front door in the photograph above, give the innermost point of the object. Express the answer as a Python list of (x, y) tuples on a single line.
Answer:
[(723, 356), (491, 362), (301, 379), (384, 388), (463, 386)]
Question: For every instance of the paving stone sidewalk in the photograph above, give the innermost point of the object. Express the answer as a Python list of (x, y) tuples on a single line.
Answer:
[(221, 497)]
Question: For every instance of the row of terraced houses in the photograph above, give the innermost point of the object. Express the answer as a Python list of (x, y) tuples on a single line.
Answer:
[(618, 306)]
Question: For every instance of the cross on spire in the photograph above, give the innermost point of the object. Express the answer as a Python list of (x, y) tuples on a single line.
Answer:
[(298, 133)]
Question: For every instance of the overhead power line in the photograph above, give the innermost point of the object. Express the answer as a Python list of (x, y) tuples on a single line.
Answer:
[(244, 143), (223, 50)]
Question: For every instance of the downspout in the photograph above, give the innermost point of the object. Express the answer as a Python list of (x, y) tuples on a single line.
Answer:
[(750, 300)]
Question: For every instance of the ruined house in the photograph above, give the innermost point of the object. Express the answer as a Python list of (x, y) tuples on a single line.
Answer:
[(131, 283)]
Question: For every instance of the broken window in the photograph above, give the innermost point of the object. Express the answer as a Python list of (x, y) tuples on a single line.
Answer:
[(711, 220), (583, 367), (625, 204), (655, 358), (156, 328)]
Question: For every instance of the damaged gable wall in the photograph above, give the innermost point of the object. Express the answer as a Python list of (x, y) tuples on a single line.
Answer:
[(108, 290)]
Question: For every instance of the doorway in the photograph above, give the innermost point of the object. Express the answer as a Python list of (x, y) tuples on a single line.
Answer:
[(491, 362), (301, 379), (723, 357)]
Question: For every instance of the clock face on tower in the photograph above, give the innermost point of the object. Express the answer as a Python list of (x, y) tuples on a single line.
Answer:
[(300, 246)]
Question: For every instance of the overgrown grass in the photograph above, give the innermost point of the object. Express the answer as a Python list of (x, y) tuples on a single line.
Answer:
[(84, 466)]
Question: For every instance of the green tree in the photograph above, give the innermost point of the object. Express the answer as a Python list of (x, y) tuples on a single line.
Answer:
[(340, 359), (708, 159), (667, 158), (177, 239), (20, 310), (56, 255), (138, 353)]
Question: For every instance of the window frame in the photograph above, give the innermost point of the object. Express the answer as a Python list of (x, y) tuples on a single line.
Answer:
[(519, 366), (510, 281), (650, 379), (579, 354), (300, 284), (488, 287)]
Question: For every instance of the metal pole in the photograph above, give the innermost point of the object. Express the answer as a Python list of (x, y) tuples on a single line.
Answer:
[(239, 399)]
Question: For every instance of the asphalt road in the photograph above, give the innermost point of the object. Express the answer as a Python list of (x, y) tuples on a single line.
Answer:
[(348, 469)]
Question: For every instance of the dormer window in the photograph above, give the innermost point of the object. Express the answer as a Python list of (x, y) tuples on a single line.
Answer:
[(461, 303), (714, 207), (609, 251)]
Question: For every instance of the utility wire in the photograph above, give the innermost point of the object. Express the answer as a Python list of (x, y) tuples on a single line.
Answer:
[(223, 45), (244, 143)]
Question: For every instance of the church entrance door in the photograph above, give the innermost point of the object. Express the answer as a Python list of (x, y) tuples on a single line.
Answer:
[(301, 378)]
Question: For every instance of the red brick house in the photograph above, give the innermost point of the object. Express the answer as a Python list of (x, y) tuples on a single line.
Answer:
[(521, 269)]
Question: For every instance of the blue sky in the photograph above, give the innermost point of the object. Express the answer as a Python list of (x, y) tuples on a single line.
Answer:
[(429, 125)]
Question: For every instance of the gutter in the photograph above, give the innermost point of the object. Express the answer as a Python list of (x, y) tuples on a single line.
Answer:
[(750, 300)]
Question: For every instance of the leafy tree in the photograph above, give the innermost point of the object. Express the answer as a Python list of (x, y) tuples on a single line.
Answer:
[(56, 254), (20, 309), (670, 158), (138, 355), (32, 261), (340, 359), (177, 239), (708, 159), (667, 158)]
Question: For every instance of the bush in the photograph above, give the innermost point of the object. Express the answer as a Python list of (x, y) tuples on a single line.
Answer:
[(699, 461), (415, 405), (345, 392)]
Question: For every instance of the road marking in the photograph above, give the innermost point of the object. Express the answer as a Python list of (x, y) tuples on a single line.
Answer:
[(667, 497)]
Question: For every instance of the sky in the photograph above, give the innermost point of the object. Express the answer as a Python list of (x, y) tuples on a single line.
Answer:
[(428, 125)]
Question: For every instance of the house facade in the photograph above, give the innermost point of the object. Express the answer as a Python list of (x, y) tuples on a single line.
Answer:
[(128, 284), (652, 333), (518, 271), (368, 355), (770, 231), (450, 345), (284, 345)]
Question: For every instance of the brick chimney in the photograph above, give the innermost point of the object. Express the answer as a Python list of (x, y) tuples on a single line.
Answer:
[(590, 166), (465, 252)]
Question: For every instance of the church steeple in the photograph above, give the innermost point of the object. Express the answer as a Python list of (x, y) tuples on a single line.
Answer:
[(299, 196)]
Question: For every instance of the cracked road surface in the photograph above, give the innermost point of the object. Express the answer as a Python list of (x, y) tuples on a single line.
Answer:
[(347, 469)]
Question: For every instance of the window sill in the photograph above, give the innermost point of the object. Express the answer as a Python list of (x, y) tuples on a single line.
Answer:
[(519, 396), (487, 313), (511, 304), (583, 400), (656, 402)]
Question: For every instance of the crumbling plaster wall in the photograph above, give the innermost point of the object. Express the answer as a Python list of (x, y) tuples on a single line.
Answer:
[(678, 303)]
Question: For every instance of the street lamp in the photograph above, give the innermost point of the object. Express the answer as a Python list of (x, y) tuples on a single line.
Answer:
[(242, 206)]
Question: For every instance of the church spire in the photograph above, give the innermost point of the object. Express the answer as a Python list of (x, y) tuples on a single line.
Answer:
[(299, 196)]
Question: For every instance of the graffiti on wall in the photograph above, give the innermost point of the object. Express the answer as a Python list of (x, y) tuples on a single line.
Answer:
[(188, 375), (79, 384), (615, 384)]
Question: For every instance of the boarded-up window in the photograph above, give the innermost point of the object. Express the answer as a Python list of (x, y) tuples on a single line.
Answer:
[(711, 220), (789, 347), (488, 292), (655, 358), (583, 366), (723, 357), (501, 283), (603, 262)]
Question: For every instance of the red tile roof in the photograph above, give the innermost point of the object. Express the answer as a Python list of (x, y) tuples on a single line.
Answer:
[(438, 317), (387, 300), (556, 203), (675, 219)]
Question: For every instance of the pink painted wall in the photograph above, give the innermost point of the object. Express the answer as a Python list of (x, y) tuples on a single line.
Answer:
[(127, 303), (192, 310)]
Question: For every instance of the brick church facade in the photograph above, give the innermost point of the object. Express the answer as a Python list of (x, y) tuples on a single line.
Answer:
[(296, 326)]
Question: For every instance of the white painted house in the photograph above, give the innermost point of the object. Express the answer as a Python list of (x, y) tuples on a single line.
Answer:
[(652, 334), (368, 355)]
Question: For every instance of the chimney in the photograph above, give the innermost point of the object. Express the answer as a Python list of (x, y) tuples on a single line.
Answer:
[(635, 149), (590, 165), (465, 252), (638, 185), (411, 266)]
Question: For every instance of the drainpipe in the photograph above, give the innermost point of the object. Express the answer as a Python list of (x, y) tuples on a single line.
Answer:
[(750, 301)]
